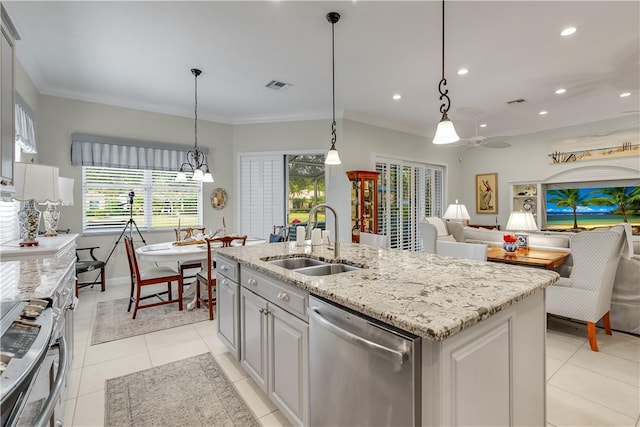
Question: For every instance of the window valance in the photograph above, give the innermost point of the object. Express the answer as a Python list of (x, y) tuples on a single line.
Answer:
[(95, 150)]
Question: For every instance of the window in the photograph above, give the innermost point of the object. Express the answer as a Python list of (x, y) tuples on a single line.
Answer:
[(152, 198), (408, 192), (25, 134)]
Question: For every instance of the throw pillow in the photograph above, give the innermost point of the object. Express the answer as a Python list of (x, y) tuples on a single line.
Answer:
[(439, 224)]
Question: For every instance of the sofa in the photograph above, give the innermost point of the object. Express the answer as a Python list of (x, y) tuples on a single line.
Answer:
[(625, 299)]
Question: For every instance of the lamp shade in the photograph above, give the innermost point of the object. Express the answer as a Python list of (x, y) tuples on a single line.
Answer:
[(65, 185), (333, 158), (445, 132), (456, 211), (521, 221), (36, 182)]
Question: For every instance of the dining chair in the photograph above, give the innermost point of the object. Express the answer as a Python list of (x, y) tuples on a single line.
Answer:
[(183, 234), (90, 263), (207, 276), (477, 251), (148, 277), (586, 294)]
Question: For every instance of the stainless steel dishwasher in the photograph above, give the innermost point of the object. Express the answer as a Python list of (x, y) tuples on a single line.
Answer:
[(362, 372)]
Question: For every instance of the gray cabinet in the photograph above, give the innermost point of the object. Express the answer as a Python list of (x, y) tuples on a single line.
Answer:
[(275, 342), (7, 124), (228, 305)]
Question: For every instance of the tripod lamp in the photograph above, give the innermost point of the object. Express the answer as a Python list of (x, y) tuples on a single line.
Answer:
[(33, 183), (51, 215)]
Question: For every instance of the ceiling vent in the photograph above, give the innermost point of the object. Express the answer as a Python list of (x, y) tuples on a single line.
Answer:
[(278, 85), (517, 101)]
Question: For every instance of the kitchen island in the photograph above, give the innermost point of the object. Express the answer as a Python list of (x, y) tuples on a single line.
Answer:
[(482, 324)]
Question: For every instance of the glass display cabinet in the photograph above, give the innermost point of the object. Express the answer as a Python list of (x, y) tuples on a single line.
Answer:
[(364, 203)]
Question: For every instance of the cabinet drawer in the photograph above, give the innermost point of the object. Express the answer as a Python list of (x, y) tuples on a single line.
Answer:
[(286, 296), (227, 267)]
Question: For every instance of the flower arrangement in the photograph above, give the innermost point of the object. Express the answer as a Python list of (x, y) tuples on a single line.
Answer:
[(510, 238)]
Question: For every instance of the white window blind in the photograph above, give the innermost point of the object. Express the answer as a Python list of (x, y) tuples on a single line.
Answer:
[(262, 193), (408, 193), (9, 228), (159, 202)]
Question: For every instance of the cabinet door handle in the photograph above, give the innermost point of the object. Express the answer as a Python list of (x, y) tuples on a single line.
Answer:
[(283, 296), (224, 267), (261, 310), (252, 281), (225, 282)]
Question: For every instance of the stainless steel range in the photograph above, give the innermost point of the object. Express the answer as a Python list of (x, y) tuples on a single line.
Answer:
[(36, 307)]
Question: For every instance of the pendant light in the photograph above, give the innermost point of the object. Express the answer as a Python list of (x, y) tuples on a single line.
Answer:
[(196, 159), (445, 133), (333, 158)]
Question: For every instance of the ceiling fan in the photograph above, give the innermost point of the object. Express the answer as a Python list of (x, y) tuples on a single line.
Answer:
[(485, 141)]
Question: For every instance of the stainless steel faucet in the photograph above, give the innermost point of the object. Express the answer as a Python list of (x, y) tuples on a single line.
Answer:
[(336, 242)]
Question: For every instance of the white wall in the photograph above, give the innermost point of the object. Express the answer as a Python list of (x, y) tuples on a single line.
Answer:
[(526, 160), (58, 118)]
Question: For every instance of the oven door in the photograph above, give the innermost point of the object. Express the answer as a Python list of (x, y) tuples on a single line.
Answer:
[(43, 401)]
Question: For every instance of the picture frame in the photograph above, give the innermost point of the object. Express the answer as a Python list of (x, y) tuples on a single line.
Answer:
[(487, 193)]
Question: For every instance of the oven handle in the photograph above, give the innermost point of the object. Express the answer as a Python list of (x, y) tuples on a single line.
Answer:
[(49, 405)]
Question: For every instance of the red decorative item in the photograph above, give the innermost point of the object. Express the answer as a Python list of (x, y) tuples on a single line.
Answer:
[(510, 238)]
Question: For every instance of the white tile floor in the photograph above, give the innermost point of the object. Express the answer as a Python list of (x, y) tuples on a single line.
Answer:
[(583, 388)]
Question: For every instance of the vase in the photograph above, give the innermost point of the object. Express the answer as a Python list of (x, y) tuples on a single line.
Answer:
[(510, 247)]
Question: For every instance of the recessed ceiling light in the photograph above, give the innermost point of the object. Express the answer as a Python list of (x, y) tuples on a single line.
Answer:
[(560, 91), (568, 31), (625, 94), (462, 71), (483, 125), (543, 112), (397, 96)]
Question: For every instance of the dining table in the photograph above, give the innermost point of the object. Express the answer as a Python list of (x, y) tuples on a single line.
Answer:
[(184, 251)]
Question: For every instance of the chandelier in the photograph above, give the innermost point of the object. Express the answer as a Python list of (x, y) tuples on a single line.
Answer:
[(333, 158), (445, 133), (196, 159)]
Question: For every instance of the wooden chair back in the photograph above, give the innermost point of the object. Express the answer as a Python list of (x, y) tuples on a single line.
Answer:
[(185, 233), (226, 242), (131, 256)]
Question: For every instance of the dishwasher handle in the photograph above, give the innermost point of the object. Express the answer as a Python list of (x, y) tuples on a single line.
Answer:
[(399, 356)]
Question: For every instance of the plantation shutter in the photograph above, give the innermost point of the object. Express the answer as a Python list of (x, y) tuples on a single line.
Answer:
[(408, 193), (262, 188)]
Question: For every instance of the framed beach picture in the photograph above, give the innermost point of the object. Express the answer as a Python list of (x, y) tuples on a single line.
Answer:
[(487, 193)]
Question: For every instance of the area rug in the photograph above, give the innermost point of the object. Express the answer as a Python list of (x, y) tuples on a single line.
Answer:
[(189, 392), (113, 322)]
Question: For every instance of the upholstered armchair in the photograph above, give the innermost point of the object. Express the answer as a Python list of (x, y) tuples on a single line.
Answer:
[(586, 294)]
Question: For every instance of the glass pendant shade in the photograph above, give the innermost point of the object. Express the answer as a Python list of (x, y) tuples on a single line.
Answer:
[(197, 175), (333, 158), (181, 176), (207, 177), (445, 133)]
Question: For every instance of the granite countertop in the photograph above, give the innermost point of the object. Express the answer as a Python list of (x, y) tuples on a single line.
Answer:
[(32, 278), (428, 295)]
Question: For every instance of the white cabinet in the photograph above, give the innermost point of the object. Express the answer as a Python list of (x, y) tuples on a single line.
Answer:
[(288, 359), (275, 342), (253, 311), (228, 305), (7, 141), (490, 374)]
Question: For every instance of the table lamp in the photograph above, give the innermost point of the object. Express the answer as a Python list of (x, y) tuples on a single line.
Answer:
[(457, 212), (33, 183), (51, 215), (522, 221)]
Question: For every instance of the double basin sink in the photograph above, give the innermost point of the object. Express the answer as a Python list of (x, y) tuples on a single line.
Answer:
[(312, 266)]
